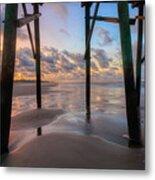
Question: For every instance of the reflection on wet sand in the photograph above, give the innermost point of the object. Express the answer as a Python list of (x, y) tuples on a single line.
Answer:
[(39, 131), (108, 105), (70, 97)]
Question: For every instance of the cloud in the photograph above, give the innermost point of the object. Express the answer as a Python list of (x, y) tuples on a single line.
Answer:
[(54, 63), (64, 61), (49, 55), (59, 8), (2, 11), (22, 34), (101, 56), (64, 65), (103, 36), (2, 17), (24, 55), (63, 31)]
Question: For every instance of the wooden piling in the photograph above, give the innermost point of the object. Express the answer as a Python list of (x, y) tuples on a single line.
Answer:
[(87, 58), (37, 50), (139, 54), (8, 63), (92, 27), (130, 90)]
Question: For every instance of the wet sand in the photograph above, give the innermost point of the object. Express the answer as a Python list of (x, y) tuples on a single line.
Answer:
[(67, 141), (60, 150), (25, 89), (34, 119)]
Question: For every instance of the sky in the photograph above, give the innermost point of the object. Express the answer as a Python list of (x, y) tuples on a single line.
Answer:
[(62, 36)]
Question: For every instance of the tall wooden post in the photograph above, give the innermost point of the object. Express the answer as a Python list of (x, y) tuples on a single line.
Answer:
[(139, 53), (130, 90), (8, 63), (37, 46), (87, 58)]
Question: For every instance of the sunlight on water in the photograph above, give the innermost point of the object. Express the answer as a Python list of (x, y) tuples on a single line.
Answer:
[(71, 98)]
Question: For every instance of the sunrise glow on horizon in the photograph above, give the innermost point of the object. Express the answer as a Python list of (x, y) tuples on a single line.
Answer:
[(62, 33)]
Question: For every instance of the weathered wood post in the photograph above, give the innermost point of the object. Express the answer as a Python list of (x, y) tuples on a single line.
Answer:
[(87, 58), (139, 53), (8, 63), (130, 89), (37, 47)]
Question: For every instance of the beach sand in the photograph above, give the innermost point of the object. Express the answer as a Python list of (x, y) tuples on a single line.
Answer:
[(59, 150), (65, 140)]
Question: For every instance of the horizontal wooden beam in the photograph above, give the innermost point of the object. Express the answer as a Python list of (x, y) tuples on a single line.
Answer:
[(112, 20), (23, 21)]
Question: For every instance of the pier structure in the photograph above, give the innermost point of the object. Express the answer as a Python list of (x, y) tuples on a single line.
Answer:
[(132, 82), (11, 23)]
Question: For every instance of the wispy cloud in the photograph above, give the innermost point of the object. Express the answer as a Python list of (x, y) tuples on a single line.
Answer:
[(59, 8), (65, 32), (103, 35)]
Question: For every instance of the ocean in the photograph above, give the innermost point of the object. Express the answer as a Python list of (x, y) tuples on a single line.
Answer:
[(107, 98)]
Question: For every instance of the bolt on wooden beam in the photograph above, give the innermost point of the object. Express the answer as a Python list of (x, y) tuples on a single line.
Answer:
[(8, 63)]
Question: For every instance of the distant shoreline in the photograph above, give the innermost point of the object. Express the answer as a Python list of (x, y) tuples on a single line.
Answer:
[(32, 81), (67, 82)]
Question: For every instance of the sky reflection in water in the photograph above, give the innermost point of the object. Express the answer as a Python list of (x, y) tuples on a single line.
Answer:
[(71, 98)]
